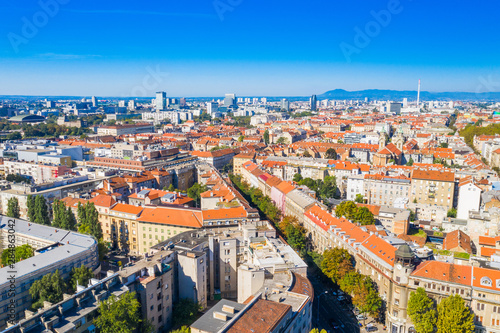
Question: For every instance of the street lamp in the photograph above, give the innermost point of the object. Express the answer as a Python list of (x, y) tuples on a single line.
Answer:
[(319, 297)]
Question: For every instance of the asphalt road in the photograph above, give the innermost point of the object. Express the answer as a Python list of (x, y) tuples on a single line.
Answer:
[(332, 309)]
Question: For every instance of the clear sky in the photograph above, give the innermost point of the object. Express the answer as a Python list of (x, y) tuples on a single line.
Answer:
[(248, 47)]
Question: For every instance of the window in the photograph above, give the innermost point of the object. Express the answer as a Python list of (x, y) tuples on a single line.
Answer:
[(486, 281)]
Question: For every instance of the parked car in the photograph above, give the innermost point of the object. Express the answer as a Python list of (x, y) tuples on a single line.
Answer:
[(341, 298), (371, 328), (360, 317)]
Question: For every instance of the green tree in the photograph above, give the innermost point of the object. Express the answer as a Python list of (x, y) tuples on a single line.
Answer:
[(297, 177), (266, 137), (410, 162), (347, 209), (88, 220), (366, 298), (102, 249), (195, 191), (336, 263), (282, 141), (41, 211), (241, 138), (63, 216), (316, 330), (331, 154), (171, 188), (119, 315), (364, 216), (443, 145), (454, 316), (286, 221), (30, 203), (14, 136), (422, 311), (307, 154), (80, 276), (296, 237), (359, 198), (13, 208), (452, 213), (349, 282), (20, 253), (327, 188), (49, 288), (183, 329), (185, 312)]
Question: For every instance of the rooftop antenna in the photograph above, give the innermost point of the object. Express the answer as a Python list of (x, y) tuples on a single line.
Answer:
[(418, 94)]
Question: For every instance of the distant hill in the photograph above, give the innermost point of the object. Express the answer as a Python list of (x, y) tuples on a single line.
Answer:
[(398, 95)]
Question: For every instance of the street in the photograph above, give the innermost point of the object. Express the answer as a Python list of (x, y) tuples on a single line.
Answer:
[(331, 310)]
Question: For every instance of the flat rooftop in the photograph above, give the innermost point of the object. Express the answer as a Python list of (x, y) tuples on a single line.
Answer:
[(69, 244)]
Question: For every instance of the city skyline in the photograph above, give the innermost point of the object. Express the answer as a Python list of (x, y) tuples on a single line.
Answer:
[(252, 48)]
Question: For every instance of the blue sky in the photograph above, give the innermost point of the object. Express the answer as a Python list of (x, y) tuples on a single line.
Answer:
[(249, 47)]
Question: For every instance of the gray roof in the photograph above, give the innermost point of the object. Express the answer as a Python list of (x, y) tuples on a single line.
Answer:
[(63, 244), (405, 252), (207, 323), (300, 198)]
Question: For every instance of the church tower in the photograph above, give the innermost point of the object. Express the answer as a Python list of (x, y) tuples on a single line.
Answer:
[(399, 139), (382, 140)]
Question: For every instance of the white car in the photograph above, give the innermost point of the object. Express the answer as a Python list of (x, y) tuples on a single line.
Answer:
[(360, 317)]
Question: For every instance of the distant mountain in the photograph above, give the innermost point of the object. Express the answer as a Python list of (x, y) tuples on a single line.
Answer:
[(398, 95)]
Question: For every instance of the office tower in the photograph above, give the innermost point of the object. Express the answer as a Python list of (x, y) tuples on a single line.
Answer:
[(324, 103), (451, 105), (182, 102), (313, 101), (212, 107), (248, 100), (131, 105), (121, 104), (431, 105), (240, 99), (94, 101), (50, 104), (161, 100), (366, 100), (230, 100), (263, 100), (394, 107), (285, 104), (405, 102)]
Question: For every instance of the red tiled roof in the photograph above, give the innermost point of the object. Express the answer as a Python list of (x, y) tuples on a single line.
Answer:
[(444, 176), (224, 213), (442, 271), (172, 216), (380, 248), (126, 208)]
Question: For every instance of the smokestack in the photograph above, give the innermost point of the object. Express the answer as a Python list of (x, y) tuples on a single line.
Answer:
[(418, 94)]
